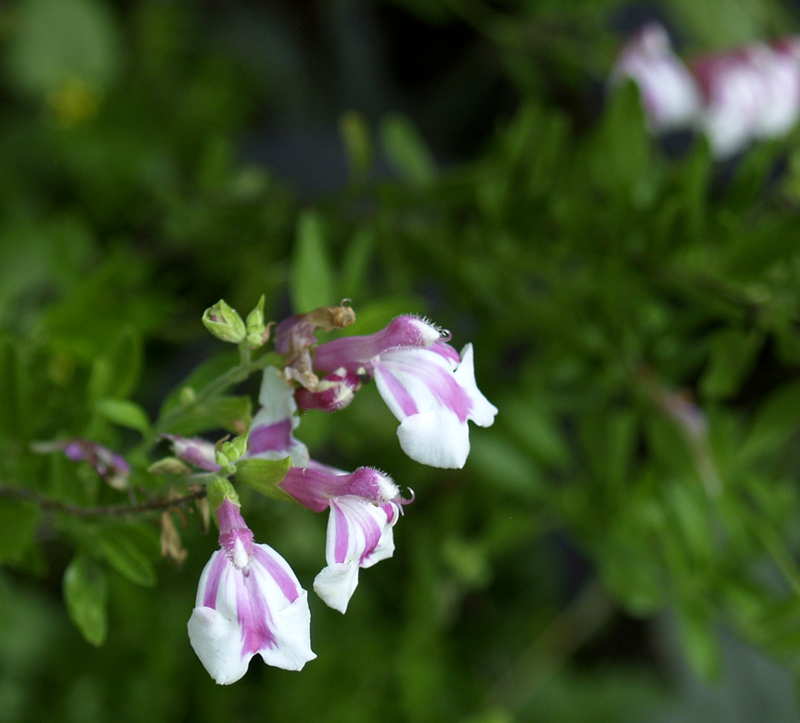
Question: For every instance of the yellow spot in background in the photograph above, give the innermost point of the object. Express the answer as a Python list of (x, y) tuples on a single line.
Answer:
[(74, 102)]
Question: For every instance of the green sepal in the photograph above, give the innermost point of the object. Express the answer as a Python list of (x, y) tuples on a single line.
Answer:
[(219, 490), (224, 322), (86, 595), (264, 476)]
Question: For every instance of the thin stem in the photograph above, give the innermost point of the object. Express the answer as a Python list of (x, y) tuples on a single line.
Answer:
[(573, 627), (233, 376), (20, 493)]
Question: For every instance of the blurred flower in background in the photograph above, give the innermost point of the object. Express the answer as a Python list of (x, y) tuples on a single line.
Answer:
[(734, 98)]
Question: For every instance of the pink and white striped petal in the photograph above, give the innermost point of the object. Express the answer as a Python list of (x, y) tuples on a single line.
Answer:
[(359, 535), (433, 401)]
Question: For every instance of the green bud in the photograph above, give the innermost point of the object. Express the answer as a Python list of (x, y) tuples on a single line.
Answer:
[(219, 490), (169, 465), (228, 452), (257, 333), (186, 397), (224, 322)]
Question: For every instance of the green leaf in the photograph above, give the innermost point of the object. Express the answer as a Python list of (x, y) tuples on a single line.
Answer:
[(264, 475), (502, 466), (230, 413), (205, 373), (60, 41), (129, 550), (125, 413), (86, 594), (701, 644), (356, 261), (312, 280), (407, 151), (115, 373), (776, 422), (357, 142), (733, 354), (18, 520), (620, 154)]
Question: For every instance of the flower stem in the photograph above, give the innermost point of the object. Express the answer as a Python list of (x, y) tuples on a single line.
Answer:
[(160, 504)]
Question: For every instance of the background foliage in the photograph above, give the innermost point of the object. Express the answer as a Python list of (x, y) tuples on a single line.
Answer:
[(621, 546)]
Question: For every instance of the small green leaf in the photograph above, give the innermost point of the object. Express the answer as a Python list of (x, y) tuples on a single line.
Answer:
[(17, 525), (407, 151), (231, 413), (355, 135), (85, 593), (356, 262), (115, 373), (126, 550), (202, 375), (264, 475), (125, 413), (312, 282), (777, 421), (733, 354), (701, 644), (61, 40)]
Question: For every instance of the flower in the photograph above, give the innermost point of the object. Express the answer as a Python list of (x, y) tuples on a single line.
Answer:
[(198, 452), (333, 392), (669, 93), (424, 381), (270, 435), (109, 465), (248, 601), (364, 507), (751, 93)]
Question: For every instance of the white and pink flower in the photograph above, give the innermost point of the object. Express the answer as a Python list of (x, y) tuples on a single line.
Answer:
[(364, 507), (424, 381), (669, 93), (249, 602)]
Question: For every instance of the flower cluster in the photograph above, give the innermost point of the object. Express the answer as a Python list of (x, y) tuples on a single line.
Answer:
[(249, 601), (734, 98)]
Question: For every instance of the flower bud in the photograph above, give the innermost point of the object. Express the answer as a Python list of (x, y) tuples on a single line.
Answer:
[(224, 322), (257, 331)]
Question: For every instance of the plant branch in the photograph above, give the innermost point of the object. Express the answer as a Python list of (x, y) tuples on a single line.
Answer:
[(159, 504)]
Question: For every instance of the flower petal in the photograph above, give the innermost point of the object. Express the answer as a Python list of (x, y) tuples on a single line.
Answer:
[(336, 583), (260, 608), (270, 435), (359, 535), (436, 438), (352, 352), (217, 640), (433, 402), (483, 411)]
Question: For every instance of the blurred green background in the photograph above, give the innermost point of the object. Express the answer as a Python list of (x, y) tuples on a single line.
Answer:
[(622, 544)]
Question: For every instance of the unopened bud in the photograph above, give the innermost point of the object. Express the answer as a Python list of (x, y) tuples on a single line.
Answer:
[(257, 331), (224, 322)]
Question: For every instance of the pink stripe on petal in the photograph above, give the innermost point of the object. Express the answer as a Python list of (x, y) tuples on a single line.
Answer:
[(271, 438), (395, 387), (216, 566), (341, 532), (253, 616), (446, 351), (272, 567)]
